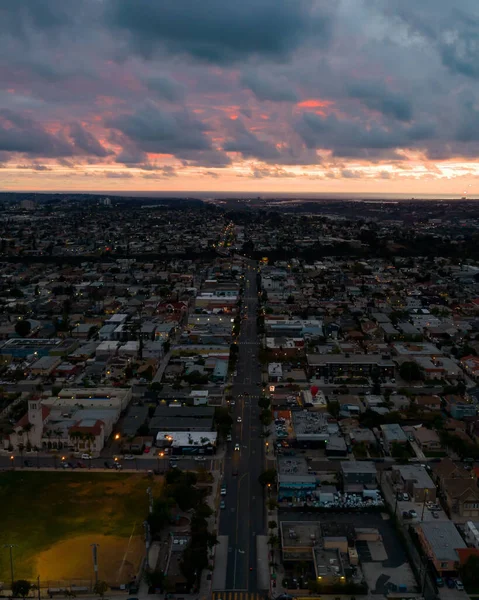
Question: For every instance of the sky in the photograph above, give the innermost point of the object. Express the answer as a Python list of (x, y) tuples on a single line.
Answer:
[(296, 96)]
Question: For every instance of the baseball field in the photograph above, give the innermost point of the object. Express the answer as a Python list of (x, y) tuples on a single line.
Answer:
[(52, 518)]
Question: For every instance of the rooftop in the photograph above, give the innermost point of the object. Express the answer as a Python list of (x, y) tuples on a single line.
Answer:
[(443, 538)]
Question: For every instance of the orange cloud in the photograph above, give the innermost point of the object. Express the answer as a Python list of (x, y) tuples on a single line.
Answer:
[(315, 103)]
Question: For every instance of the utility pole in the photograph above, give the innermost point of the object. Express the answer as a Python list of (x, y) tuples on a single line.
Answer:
[(146, 525), (94, 549), (11, 547), (150, 500)]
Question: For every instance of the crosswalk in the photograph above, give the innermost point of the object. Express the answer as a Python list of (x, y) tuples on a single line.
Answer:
[(236, 595)]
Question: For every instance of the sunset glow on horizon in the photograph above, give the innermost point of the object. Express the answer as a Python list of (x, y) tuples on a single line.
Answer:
[(302, 96)]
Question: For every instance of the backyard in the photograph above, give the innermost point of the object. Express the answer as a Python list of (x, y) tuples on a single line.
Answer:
[(53, 518)]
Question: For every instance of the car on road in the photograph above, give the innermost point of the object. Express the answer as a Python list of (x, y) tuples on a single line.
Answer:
[(237, 447), (129, 457), (223, 490), (65, 465), (200, 458), (85, 457), (439, 582), (229, 438), (222, 504), (413, 514), (232, 403), (239, 419), (434, 515), (459, 585)]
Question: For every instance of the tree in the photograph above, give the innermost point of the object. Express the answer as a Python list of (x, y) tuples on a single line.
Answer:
[(266, 417), (272, 525), (264, 402), (470, 572), (21, 587), (410, 371), (155, 579), (268, 477), (23, 327), (100, 588)]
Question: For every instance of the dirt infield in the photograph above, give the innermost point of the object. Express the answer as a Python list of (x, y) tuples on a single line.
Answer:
[(69, 560), (53, 517)]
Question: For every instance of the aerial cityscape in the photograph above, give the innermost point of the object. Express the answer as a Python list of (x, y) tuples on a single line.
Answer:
[(239, 300)]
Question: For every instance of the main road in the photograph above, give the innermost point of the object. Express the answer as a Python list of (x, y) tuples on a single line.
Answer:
[(243, 517)]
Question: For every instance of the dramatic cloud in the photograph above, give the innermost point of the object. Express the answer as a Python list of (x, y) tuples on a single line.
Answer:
[(239, 93), (220, 31)]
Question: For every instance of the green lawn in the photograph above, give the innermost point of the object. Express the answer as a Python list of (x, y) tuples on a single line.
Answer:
[(40, 509)]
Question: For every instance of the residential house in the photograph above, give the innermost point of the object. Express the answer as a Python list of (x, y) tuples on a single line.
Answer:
[(441, 541), (415, 480)]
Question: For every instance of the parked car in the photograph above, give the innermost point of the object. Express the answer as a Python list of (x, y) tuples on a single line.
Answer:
[(200, 458), (223, 490), (413, 514), (450, 583), (86, 457), (439, 582), (459, 585), (434, 515), (228, 437), (129, 457), (222, 504), (108, 465)]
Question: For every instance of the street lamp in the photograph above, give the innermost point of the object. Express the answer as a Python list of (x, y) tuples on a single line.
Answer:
[(117, 436), (11, 547), (12, 461)]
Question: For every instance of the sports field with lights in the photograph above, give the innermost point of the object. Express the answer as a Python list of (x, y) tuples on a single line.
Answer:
[(53, 518)]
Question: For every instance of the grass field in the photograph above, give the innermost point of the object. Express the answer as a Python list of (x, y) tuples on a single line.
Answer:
[(52, 518)]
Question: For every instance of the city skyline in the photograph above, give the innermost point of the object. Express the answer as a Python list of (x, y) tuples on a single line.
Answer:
[(292, 97)]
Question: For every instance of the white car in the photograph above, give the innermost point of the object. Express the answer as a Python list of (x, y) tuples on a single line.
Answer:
[(86, 457), (128, 457), (237, 447), (238, 420), (200, 458)]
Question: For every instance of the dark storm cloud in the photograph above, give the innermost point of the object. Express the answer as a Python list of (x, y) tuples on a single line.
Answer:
[(348, 138), (23, 135), (248, 144), (167, 88), (376, 96), (219, 31), (265, 87), (86, 142), (364, 79), (452, 28), (21, 17), (156, 130)]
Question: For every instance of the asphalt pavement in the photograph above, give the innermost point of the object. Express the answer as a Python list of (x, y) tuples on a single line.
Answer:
[(32, 460), (243, 518)]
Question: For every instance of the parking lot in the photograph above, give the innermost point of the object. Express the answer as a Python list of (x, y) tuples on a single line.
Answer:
[(404, 506)]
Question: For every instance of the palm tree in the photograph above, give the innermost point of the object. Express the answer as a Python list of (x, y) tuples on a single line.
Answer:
[(26, 429)]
